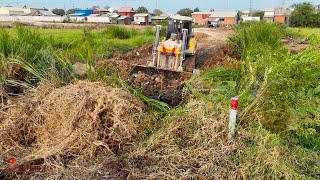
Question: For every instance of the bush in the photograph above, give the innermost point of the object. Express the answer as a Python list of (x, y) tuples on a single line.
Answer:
[(253, 35), (117, 32)]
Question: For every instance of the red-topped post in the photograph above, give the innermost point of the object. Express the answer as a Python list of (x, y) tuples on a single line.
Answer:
[(233, 116)]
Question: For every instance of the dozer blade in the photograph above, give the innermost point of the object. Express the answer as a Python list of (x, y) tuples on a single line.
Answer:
[(167, 73), (161, 84)]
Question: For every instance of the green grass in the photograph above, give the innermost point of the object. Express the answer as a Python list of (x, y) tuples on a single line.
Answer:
[(279, 129), (306, 31)]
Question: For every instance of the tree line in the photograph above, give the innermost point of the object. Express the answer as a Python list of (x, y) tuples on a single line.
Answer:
[(303, 15)]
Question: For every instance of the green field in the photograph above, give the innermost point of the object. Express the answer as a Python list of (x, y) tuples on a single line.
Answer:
[(306, 31)]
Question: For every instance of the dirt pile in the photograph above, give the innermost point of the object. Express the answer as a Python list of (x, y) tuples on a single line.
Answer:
[(66, 127), (221, 55), (295, 45)]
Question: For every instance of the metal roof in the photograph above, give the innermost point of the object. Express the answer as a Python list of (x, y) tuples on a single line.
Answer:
[(114, 15), (126, 9), (46, 13), (77, 14), (141, 15), (269, 14), (202, 13), (123, 17), (182, 18), (160, 17), (224, 14), (216, 19)]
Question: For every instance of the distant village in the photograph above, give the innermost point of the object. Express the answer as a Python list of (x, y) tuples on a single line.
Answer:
[(128, 15)]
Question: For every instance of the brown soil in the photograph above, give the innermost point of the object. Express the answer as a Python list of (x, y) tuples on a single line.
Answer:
[(295, 45)]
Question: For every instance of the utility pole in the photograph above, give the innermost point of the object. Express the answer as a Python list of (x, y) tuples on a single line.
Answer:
[(156, 4), (273, 4), (283, 4), (251, 7)]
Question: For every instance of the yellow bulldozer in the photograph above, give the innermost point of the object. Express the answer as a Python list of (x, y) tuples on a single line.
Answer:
[(173, 59), (175, 52)]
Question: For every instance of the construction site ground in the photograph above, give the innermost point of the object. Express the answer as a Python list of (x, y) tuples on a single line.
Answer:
[(212, 51)]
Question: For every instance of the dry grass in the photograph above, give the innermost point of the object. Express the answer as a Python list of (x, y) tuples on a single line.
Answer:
[(192, 144), (65, 128)]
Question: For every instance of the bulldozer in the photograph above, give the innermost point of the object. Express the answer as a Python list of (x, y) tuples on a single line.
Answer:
[(173, 59)]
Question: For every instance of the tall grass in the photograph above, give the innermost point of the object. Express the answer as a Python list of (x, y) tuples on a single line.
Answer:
[(279, 128)]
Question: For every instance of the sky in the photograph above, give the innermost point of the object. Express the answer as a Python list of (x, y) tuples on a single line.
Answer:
[(168, 6)]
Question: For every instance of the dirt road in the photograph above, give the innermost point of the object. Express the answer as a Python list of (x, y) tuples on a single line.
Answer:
[(212, 46)]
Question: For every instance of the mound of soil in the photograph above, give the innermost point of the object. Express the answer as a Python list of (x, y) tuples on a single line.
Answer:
[(67, 126), (295, 45), (217, 57)]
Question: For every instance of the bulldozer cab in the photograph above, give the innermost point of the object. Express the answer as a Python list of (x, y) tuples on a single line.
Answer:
[(176, 25)]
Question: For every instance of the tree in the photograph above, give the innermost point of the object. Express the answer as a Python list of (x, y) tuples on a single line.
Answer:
[(239, 14), (211, 10), (258, 14), (157, 12), (185, 12), (304, 15), (59, 12), (142, 9), (196, 9), (71, 11)]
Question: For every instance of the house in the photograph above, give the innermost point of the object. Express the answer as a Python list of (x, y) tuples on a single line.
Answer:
[(82, 12), (127, 11), (43, 13), (11, 11), (201, 17), (142, 18), (31, 9), (158, 19), (282, 16), (126, 20), (226, 18), (269, 15), (277, 15)]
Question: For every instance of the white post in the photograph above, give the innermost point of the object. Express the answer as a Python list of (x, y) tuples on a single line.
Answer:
[(233, 116)]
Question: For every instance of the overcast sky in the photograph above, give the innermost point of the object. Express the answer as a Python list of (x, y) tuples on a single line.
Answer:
[(169, 6)]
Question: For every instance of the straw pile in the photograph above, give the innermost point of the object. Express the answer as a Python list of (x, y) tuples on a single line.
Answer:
[(64, 128)]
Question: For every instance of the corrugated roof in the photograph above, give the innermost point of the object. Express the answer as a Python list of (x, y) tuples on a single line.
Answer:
[(45, 13), (123, 17), (77, 14), (114, 15), (224, 14), (202, 13), (269, 14), (141, 15), (160, 17), (126, 9), (183, 18)]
